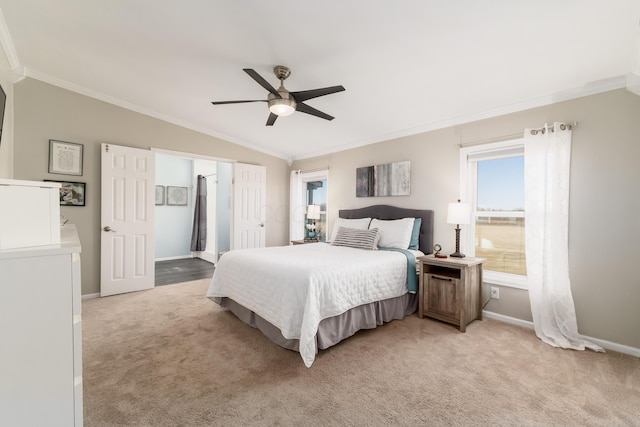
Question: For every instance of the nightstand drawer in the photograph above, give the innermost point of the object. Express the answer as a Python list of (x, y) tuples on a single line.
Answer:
[(441, 296)]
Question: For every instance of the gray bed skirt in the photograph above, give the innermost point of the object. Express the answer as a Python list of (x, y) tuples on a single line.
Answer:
[(333, 329)]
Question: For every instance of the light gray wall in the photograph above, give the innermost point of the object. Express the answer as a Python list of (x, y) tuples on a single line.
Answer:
[(604, 211), (43, 112)]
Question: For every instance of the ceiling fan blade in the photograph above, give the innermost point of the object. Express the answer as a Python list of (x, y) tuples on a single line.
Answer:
[(237, 102), (262, 82), (304, 108), (303, 95), (272, 119)]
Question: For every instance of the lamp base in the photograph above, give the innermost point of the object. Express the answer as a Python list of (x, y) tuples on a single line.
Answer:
[(457, 253)]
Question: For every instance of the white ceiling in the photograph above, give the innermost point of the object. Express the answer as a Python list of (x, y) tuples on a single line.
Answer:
[(408, 66)]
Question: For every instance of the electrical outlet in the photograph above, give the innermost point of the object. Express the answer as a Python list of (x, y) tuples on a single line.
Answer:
[(495, 292)]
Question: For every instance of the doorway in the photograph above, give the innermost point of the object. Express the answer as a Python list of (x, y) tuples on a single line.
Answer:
[(176, 175), (182, 270)]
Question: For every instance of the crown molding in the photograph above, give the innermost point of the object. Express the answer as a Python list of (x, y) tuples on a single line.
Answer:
[(631, 82), (147, 112), (7, 44), (593, 88)]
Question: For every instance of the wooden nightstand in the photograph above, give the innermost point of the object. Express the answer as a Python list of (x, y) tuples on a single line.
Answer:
[(451, 289), (303, 242)]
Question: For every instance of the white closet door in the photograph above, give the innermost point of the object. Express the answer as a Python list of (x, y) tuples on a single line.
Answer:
[(250, 187)]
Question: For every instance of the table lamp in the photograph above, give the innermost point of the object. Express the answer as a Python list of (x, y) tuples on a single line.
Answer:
[(458, 213), (313, 213)]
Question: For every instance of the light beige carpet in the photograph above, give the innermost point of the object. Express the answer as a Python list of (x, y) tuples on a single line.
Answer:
[(171, 357)]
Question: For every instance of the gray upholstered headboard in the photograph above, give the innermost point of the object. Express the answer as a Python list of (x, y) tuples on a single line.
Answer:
[(394, 212)]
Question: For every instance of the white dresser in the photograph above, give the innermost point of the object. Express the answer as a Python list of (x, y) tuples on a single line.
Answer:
[(41, 334), (29, 213)]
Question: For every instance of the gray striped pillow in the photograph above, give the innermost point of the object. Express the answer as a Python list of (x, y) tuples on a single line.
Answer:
[(355, 238)]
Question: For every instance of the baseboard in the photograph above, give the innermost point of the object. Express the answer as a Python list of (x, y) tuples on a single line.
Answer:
[(91, 296), (171, 258), (507, 319), (206, 256), (620, 348)]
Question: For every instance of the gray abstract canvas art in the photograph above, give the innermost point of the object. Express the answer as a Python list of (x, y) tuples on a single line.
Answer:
[(390, 179)]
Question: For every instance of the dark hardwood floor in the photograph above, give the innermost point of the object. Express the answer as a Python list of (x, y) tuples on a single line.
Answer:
[(182, 270)]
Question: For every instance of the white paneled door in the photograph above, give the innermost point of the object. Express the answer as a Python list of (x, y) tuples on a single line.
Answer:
[(249, 195), (127, 227)]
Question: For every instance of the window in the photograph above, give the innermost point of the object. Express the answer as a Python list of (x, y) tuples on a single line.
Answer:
[(492, 177), (308, 188), (316, 194)]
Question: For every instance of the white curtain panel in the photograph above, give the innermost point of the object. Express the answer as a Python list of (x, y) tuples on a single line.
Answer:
[(547, 165), (297, 206)]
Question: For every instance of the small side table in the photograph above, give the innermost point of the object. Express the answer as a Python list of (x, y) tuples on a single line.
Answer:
[(451, 289), (303, 242)]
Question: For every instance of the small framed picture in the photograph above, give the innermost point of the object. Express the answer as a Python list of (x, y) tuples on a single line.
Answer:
[(159, 195), (177, 196), (65, 157), (72, 193)]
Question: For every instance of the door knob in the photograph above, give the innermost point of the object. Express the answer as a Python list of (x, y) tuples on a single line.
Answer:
[(261, 225), (107, 228)]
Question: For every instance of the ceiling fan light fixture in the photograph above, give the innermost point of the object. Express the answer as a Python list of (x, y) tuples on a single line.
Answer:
[(281, 102), (282, 106)]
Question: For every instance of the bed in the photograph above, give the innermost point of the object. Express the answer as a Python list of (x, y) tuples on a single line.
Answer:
[(309, 297)]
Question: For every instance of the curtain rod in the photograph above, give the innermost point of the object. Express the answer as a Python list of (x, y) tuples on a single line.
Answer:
[(562, 127), (515, 135)]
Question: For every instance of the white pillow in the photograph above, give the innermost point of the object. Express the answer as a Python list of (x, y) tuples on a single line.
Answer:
[(394, 233), (360, 224)]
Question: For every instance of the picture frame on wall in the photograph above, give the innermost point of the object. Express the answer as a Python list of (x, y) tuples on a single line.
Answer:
[(72, 193), (65, 158), (177, 196), (160, 195)]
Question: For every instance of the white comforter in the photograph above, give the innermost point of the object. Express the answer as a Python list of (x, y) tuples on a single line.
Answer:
[(295, 287)]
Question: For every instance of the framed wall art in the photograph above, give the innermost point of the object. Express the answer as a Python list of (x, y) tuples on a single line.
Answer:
[(72, 193), (177, 196), (390, 179), (65, 157), (160, 195)]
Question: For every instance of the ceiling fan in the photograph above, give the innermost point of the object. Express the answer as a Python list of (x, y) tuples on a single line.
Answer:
[(281, 102)]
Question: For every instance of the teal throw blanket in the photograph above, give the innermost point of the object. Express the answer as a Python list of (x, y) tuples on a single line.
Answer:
[(412, 277)]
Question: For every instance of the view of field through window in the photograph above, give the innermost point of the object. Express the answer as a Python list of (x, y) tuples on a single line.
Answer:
[(501, 242), (500, 215)]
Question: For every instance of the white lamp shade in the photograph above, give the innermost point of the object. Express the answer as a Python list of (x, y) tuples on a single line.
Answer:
[(459, 213), (313, 212)]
